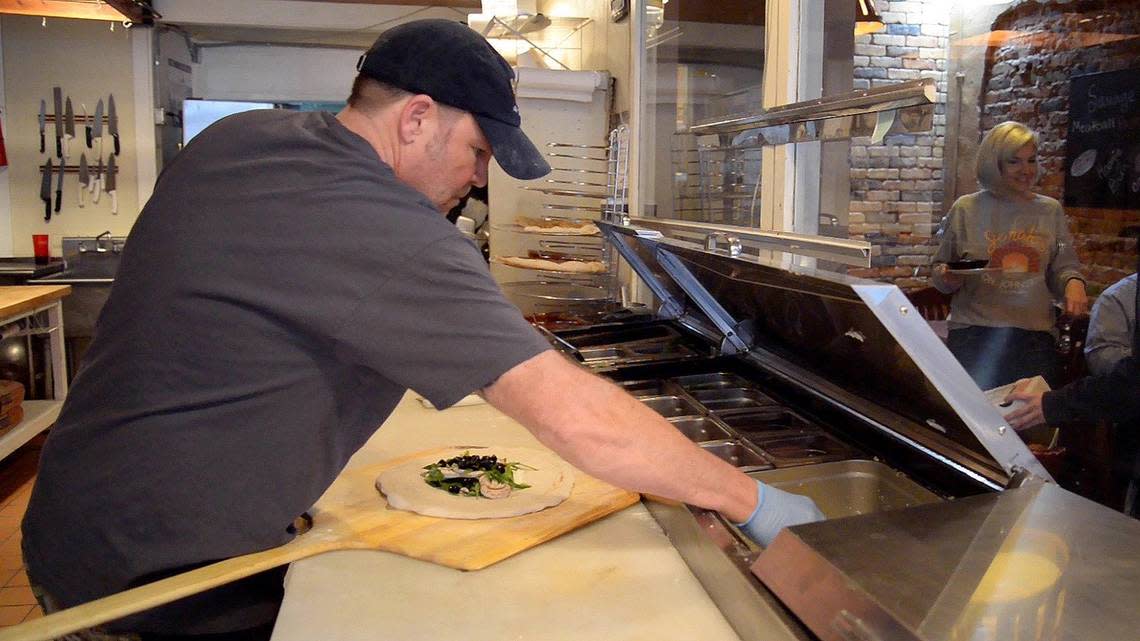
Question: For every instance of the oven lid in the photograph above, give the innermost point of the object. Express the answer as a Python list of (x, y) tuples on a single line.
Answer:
[(861, 336)]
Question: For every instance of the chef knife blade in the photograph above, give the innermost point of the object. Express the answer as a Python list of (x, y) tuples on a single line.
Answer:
[(97, 184), (59, 186), (57, 98), (84, 178), (111, 184), (113, 121), (43, 120), (86, 123), (97, 126), (68, 127), (45, 189)]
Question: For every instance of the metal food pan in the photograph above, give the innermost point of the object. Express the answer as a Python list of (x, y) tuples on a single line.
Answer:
[(652, 387), (700, 429), (731, 399), (672, 406), (847, 488), (768, 421), (737, 454), (716, 380), (802, 449)]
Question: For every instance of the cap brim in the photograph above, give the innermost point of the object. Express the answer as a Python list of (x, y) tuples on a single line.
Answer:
[(515, 152)]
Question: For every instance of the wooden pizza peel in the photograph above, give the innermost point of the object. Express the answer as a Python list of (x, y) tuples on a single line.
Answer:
[(352, 515)]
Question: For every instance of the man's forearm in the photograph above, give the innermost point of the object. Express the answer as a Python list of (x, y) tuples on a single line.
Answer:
[(607, 433)]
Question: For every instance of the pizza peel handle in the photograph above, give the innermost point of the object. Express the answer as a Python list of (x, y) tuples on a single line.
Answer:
[(352, 515), (164, 591)]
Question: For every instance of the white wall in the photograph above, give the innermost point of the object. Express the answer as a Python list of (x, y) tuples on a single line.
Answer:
[(274, 73), (88, 61), (5, 192)]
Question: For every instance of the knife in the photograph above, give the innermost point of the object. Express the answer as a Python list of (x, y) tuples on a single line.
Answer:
[(111, 183), (97, 184), (113, 121), (97, 126), (57, 98), (68, 127), (43, 119), (84, 178), (86, 123), (45, 189), (59, 186)]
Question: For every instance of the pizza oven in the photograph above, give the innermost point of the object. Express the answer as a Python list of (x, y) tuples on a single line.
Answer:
[(941, 523)]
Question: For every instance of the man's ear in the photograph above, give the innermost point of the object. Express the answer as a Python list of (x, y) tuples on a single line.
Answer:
[(414, 116)]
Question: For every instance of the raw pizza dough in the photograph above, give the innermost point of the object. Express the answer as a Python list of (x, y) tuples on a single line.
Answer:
[(550, 484), (543, 264)]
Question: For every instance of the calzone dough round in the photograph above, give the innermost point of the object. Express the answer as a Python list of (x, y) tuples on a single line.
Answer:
[(550, 484)]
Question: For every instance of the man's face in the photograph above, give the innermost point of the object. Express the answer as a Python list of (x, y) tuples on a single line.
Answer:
[(452, 159)]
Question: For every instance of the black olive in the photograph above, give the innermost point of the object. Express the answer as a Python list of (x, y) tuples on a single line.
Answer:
[(454, 489), (500, 468)]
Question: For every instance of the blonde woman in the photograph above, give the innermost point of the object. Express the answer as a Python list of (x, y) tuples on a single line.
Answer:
[(1001, 314)]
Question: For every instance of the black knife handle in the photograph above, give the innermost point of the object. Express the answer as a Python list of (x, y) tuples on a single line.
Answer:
[(42, 143), (47, 209), (88, 130), (58, 199), (116, 137), (59, 147)]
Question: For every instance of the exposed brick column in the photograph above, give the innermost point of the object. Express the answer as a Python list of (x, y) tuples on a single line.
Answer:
[(896, 186)]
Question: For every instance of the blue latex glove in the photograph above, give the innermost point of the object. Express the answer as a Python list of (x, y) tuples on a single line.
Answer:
[(776, 510)]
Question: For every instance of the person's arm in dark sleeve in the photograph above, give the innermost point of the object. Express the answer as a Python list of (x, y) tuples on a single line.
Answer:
[(1114, 396)]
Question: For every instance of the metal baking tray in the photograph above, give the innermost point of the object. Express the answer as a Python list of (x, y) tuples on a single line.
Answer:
[(701, 429), (768, 421), (732, 399), (802, 449), (738, 455), (672, 406), (616, 334), (716, 380)]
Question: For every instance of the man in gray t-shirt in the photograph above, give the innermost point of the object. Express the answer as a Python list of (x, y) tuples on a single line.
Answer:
[(291, 277)]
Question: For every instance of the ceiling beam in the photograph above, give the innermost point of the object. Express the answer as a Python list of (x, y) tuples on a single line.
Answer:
[(459, 4), (116, 10), (61, 9)]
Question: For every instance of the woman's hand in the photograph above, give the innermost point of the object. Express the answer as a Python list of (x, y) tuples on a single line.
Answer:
[(1076, 300), (951, 281)]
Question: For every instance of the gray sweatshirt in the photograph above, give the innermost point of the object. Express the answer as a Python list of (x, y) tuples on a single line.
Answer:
[(1028, 240)]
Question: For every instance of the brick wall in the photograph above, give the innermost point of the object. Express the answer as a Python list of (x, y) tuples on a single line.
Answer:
[(1027, 79), (896, 186)]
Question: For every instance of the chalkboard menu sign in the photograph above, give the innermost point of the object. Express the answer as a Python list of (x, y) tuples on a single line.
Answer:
[(1102, 164)]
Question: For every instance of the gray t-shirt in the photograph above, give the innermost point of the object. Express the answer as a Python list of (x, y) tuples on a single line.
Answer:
[(1112, 326), (277, 296), (1028, 240)]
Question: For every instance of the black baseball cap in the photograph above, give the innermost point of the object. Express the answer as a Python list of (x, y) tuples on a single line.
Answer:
[(458, 67)]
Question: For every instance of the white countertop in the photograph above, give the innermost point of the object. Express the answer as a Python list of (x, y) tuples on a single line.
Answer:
[(616, 579)]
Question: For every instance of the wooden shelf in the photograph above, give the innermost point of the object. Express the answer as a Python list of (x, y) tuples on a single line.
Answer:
[(38, 416)]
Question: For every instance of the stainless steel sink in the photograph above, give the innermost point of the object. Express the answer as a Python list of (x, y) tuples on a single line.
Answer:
[(91, 268)]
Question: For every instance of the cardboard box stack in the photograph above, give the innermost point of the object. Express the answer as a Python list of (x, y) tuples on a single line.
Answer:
[(11, 410)]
